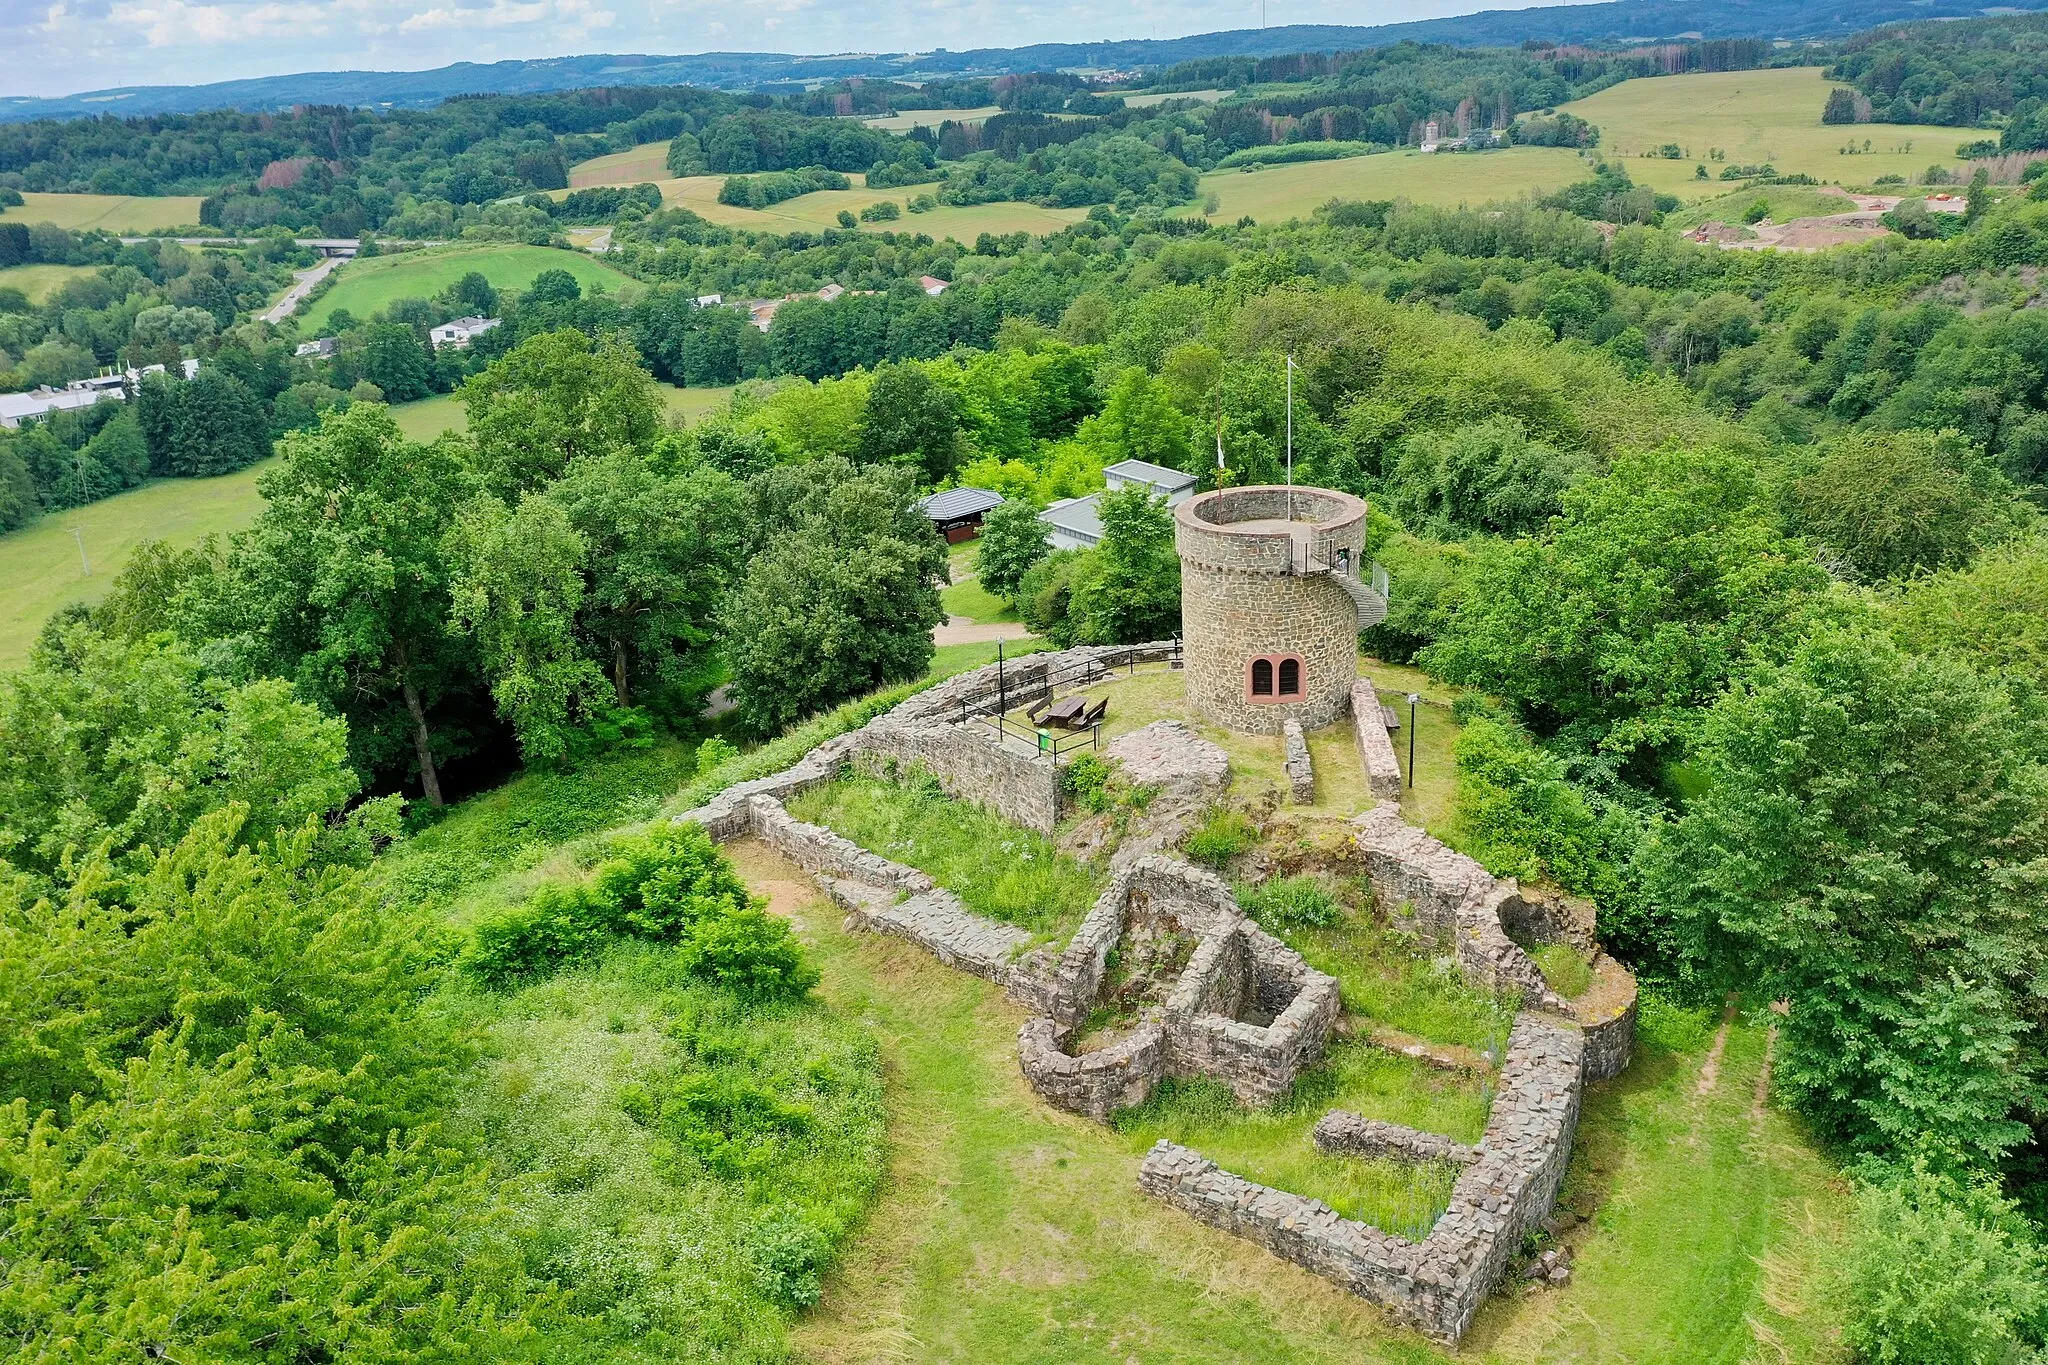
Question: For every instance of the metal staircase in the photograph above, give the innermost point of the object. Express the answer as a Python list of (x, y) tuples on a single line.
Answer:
[(1371, 601)]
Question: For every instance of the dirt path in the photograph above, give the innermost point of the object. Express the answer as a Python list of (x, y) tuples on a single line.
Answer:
[(960, 630), (1710, 1069)]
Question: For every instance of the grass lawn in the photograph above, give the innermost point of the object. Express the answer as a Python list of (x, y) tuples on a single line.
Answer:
[(1010, 1232), (968, 598), (130, 213), (39, 569), (366, 287), (1429, 801), (429, 417), (41, 281), (1274, 194), (1002, 871), (1396, 982), (1754, 117)]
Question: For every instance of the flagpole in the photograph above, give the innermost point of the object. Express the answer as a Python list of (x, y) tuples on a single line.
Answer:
[(1290, 438)]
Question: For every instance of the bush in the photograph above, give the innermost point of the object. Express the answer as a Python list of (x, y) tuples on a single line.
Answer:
[(1521, 815), (748, 952), (881, 211), (1291, 903), (1221, 837), (789, 1257), (1290, 152), (1942, 1273), (1085, 781), (659, 885)]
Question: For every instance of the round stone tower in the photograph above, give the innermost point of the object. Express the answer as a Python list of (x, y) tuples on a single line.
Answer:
[(1271, 603)]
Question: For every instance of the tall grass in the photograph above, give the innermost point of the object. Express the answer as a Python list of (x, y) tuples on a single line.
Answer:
[(1272, 1145), (1004, 872), (1393, 980)]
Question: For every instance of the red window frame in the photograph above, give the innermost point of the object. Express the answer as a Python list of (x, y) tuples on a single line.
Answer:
[(1276, 668)]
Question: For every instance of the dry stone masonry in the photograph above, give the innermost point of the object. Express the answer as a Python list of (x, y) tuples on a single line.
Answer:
[(1191, 986), (1375, 749), (1301, 770), (1260, 584)]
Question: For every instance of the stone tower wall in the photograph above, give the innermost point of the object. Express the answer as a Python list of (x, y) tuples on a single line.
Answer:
[(1240, 600)]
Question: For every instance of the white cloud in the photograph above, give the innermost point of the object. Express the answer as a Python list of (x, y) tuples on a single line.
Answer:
[(174, 23)]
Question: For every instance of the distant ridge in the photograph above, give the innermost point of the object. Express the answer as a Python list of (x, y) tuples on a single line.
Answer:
[(1615, 21)]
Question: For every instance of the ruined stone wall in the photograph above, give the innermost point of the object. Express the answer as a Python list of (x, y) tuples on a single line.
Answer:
[(1096, 1083), (1437, 1285), (1342, 1133), (973, 764), (1301, 769), (1375, 747)]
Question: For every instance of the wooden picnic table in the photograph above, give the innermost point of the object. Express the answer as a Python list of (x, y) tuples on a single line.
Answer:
[(1066, 710)]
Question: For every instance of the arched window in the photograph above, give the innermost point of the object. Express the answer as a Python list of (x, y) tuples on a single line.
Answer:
[(1273, 677)]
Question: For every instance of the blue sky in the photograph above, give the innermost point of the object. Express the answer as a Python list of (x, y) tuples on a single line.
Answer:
[(61, 47)]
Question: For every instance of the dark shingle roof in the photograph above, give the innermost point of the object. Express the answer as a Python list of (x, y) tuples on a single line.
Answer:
[(957, 502)]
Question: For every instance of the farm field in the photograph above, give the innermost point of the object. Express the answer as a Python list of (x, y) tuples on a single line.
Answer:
[(1147, 101), (931, 118), (114, 212), (38, 282), (810, 212), (39, 569), (429, 417), (1275, 194), (365, 287), (1787, 202), (1754, 117)]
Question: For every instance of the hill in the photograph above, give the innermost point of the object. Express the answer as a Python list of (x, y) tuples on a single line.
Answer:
[(1613, 21)]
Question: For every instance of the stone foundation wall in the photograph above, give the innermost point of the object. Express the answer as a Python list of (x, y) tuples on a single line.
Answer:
[(1096, 1083), (972, 764), (1437, 1285), (1342, 1133), (1301, 769), (1375, 746)]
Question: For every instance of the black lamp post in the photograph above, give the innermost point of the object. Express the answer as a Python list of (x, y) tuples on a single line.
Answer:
[(1412, 699)]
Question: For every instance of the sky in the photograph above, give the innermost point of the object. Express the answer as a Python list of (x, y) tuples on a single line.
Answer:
[(63, 47)]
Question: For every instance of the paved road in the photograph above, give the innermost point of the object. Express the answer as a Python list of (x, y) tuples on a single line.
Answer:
[(308, 280)]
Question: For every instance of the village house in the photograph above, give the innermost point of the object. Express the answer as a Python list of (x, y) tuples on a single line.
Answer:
[(458, 334)]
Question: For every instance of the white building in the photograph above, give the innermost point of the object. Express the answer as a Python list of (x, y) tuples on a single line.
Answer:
[(16, 408), (933, 285), (1076, 523), (318, 350), (708, 300), (459, 333)]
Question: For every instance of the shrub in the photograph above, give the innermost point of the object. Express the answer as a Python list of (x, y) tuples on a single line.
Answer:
[(1758, 210), (713, 752), (1942, 1273), (1291, 903), (789, 1256), (748, 952), (881, 211), (656, 885), (1221, 837), (1521, 816), (1085, 780)]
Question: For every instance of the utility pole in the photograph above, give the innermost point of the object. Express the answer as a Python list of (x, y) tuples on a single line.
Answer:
[(79, 536)]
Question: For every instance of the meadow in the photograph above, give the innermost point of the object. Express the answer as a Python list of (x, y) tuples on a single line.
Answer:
[(821, 209), (39, 565), (1200, 96), (368, 286), (1274, 194), (1754, 117), (38, 282), (931, 118), (429, 417), (114, 212)]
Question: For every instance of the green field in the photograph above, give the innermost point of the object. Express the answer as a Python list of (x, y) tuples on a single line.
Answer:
[(114, 212), (1273, 194), (428, 418), (810, 212), (931, 118), (41, 281), (1754, 117), (1786, 201), (367, 287), (39, 568), (1148, 101)]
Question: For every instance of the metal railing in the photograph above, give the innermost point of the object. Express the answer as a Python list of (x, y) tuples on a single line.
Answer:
[(1041, 684)]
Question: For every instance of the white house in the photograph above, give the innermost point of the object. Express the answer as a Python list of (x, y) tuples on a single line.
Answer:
[(459, 333), (708, 300), (933, 285), (1076, 523), (1170, 484), (319, 350)]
